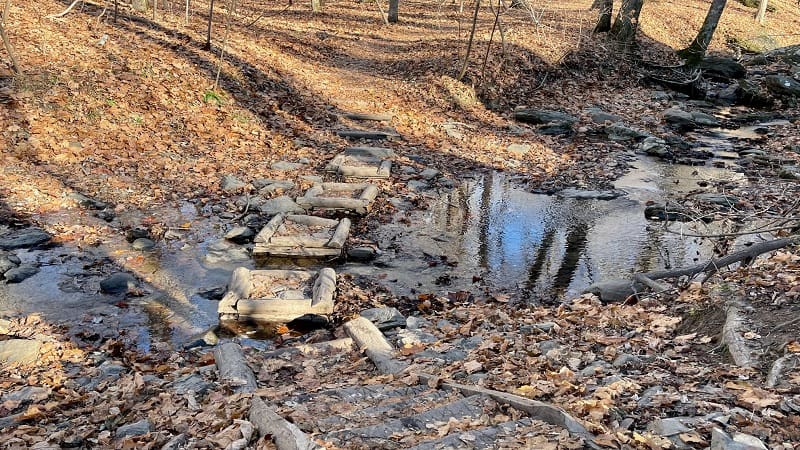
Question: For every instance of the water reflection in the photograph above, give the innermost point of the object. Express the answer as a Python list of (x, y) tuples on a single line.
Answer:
[(550, 246)]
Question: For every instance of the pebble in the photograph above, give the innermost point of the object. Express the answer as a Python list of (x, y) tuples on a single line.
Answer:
[(29, 237), (118, 283), (21, 273)]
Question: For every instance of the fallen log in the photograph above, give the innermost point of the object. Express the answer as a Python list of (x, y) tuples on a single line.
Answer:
[(233, 368), (369, 338), (285, 435)]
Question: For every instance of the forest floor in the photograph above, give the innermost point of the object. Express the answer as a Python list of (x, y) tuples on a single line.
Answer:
[(116, 126)]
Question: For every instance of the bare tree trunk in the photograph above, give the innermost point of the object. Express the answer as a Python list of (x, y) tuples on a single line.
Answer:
[(186, 17), (155, 8), (210, 17), (394, 5), (604, 18), (695, 52), (627, 22), (116, 10), (6, 42), (471, 38), (761, 15), (316, 6)]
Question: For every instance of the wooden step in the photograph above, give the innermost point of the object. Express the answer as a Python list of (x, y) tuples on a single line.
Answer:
[(368, 135), (485, 437), (374, 117)]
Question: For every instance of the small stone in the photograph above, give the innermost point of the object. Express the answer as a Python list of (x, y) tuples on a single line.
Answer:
[(143, 244), (362, 253), (176, 443), (627, 361), (190, 383), (205, 339), (519, 149), (580, 194), (384, 318), (230, 184), (647, 396), (134, 429), (704, 119), (282, 204), (429, 174), (118, 283), (312, 178), (284, 166), (417, 185), (783, 85), (407, 170), (679, 118), (600, 116), (720, 440), (136, 233), (214, 293), (415, 323), (240, 235), (668, 427), (593, 369), (23, 351), (21, 273), (29, 237), (224, 252), (413, 337), (27, 394), (620, 132), (659, 96), (718, 199), (546, 326), (251, 202), (654, 146), (548, 345)]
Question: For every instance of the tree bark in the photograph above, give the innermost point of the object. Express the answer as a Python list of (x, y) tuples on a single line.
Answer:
[(604, 18), (210, 17), (761, 15), (627, 22), (6, 42), (471, 38), (695, 52), (316, 6), (394, 5)]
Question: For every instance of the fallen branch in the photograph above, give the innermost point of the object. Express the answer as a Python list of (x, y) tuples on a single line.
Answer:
[(286, 435), (732, 338), (66, 11), (233, 368)]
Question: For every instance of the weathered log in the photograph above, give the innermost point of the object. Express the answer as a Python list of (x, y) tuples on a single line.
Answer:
[(233, 368), (369, 116), (369, 338), (369, 135), (732, 337), (285, 435), (336, 345)]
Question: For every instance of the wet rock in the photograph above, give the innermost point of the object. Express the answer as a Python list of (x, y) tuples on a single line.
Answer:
[(29, 237), (722, 68), (717, 199), (21, 273), (580, 194), (27, 394), (214, 293), (551, 122), (282, 204), (783, 86), (240, 235), (671, 212), (707, 120), (599, 116), (720, 440), (751, 94), (207, 338), (136, 233), (429, 174), (230, 184), (284, 166), (654, 146), (143, 244), (24, 351), (679, 117), (118, 283), (134, 429), (8, 261), (620, 132), (613, 291), (224, 252), (190, 383), (384, 318), (413, 337), (362, 253), (519, 149)]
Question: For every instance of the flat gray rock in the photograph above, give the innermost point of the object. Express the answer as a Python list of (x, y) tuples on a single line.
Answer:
[(224, 252), (544, 116), (21, 273), (143, 244), (721, 440), (27, 394), (230, 184), (581, 194), (599, 116), (23, 351), (783, 85), (413, 337), (285, 166), (429, 174), (618, 131), (240, 235), (133, 429), (29, 237), (384, 318), (282, 204), (190, 383), (118, 283)]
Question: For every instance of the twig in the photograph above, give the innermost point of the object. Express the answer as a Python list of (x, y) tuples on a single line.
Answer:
[(471, 38), (383, 16), (786, 324), (66, 11), (231, 7)]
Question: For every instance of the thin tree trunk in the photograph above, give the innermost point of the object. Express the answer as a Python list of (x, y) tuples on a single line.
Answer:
[(210, 17), (186, 17), (604, 17), (316, 6), (6, 42), (394, 5), (761, 15), (155, 8), (471, 38), (116, 10), (695, 52), (627, 22)]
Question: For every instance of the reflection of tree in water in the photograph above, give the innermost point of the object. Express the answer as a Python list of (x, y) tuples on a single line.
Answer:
[(577, 236), (485, 211)]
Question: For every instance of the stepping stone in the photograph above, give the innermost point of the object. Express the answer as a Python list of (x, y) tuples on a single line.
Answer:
[(301, 235), (368, 117), (354, 197), (362, 162), (369, 135), (278, 295)]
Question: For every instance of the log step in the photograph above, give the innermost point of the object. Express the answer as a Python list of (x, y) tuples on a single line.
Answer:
[(369, 135), (374, 117), (478, 438)]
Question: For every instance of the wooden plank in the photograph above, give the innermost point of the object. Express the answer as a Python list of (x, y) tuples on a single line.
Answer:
[(538, 410), (369, 193), (324, 287), (296, 251), (340, 235), (297, 241), (285, 435), (335, 163), (367, 336), (374, 152), (374, 117), (228, 303), (233, 368), (269, 229), (312, 221), (368, 135), (241, 282)]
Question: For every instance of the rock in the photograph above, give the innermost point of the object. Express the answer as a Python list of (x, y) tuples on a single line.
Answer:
[(414, 323), (669, 212), (580, 194), (789, 172), (718, 199), (429, 174), (284, 166), (21, 273), (143, 244), (8, 261), (452, 130), (722, 68), (134, 429), (191, 382), (207, 338), (611, 291), (555, 129), (224, 252), (448, 356), (546, 326), (679, 118), (24, 351), (384, 318), (519, 149), (176, 443), (654, 146), (251, 202), (86, 202), (230, 184), (600, 116), (704, 119), (407, 170), (240, 235), (552, 122), (362, 253), (417, 185), (668, 427), (214, 293), (720, 440), (136, 233), (758, 44), (413, 337), (312, 178), (626, 361), (751, 94), (620, 132), (594, 369), (118, 283), (548, 345), (4, 326), (647, 396), (27, 394), (282, 204), (275, 186), (26, 238), (783, 86), (660, 96)]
